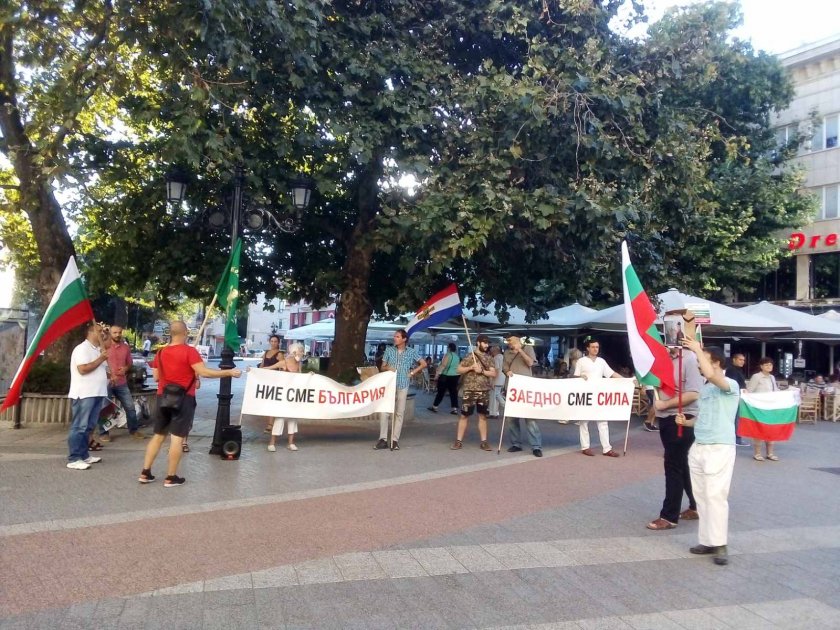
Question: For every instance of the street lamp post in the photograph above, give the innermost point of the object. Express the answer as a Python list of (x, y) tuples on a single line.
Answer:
[(300, 193)]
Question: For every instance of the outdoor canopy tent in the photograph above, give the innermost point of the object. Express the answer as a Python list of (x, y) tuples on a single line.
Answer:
[(725, 319), (325, 331), (803, 325)]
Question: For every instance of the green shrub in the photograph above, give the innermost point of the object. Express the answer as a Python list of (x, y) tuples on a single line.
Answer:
[(47, 377)]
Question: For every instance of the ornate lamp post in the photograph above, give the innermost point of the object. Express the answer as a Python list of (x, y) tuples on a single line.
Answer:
[(300, 192)]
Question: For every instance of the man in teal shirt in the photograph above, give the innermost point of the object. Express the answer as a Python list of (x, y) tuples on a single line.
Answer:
[(711, 458)]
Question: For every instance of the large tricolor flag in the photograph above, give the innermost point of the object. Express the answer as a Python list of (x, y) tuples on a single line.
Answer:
[(440, 307), (650, 356), (68, 309), (769, 417)]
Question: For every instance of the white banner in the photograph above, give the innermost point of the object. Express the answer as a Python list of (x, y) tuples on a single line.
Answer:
[(294, 395), (569, 398)]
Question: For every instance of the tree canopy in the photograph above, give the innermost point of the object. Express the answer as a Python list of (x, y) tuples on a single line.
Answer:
[(539, 138)]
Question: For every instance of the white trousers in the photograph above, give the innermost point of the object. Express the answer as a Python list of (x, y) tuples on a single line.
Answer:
[(399, 412), (277, 427), (711, 467), (496, 400), (603, 435)]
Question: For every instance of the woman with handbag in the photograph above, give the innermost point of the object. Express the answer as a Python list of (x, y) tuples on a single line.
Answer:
[(447, 380)]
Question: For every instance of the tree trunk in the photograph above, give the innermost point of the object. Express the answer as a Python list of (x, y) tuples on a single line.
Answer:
[(354, 305), (351, 317)]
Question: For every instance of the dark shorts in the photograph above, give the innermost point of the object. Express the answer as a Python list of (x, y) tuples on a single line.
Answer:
[(650, 396), (177, 423), (471, 401)]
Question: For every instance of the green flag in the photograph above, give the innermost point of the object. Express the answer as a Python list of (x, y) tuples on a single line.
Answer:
[(227, 295)]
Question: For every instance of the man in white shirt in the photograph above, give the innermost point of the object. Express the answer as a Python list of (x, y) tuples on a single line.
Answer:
[(147, 346), (593, 366), (88, 390)]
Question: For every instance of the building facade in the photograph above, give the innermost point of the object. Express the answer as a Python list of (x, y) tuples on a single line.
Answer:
[(815, 114)]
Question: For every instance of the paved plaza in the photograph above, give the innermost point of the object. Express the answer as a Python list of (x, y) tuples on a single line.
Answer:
[(338, 535)]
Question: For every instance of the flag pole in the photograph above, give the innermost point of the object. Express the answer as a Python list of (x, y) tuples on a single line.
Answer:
[(679, 388), (502, 433), (467, 331), (204, 323)]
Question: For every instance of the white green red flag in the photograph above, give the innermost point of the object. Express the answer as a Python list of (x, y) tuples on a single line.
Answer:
[(769, 417), (651, 360), (68, 309)]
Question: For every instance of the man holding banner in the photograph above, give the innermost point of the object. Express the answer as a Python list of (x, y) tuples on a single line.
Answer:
[(518, 359), (588, 367)]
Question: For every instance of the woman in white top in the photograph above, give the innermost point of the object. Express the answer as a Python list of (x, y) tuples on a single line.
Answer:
[(293, 358), (763, 381)]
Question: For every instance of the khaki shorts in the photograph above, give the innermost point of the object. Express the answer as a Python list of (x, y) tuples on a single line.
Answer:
[(475, 401)]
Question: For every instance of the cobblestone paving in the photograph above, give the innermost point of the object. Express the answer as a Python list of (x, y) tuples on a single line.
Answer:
[(339, 536)]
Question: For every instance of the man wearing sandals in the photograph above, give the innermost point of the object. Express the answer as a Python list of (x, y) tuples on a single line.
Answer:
[(677, 476), (88, 389), (711, 458), (180, 364), (477, 373)]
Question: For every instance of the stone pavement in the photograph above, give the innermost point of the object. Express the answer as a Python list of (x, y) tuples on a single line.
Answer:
[(337, 535)]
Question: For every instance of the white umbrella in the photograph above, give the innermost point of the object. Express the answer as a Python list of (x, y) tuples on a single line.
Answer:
[(831, 315), (803, 325), (325, 330), (725, 319)]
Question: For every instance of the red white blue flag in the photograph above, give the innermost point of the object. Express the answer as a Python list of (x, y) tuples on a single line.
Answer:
[(441, 307)]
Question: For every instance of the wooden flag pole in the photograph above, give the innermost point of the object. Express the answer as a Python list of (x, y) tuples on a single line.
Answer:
[(206, 319)]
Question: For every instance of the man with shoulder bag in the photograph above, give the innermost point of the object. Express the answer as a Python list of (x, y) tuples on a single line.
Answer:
[(176, 369)]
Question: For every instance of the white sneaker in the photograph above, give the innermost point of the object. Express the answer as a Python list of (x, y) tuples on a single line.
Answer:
[(271, 448), (78, 465), (93, 460), (292, 447)]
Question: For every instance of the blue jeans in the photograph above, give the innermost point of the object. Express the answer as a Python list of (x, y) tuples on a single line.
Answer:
[(534, 435), (123, 394), (85, 415)]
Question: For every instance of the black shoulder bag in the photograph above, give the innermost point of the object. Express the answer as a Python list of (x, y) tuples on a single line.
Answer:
[(173, 394)]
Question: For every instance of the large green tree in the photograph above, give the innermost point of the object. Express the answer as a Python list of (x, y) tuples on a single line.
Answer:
[(540, 137)]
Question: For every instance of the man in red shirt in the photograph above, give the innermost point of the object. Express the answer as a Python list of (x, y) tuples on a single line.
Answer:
[(177, 363), (119, 363)]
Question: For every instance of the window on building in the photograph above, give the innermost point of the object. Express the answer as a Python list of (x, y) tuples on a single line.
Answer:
[(776, 285), (817, 139), (830, 202), (825, 276), (831, 128)]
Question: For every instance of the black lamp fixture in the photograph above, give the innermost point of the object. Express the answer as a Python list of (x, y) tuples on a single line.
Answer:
[(176, 186)]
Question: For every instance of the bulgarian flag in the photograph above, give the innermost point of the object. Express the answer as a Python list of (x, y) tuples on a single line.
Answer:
[(650, 356), (68, 309), (769, 417)]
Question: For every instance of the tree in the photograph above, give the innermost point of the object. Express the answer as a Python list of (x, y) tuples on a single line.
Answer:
[(540, 138)]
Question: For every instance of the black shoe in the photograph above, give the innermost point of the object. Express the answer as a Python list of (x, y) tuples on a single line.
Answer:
[(514, 449), (650, 427), (395, 446), (146, 476), (702, 550), (380, 445), (721, 556), (537, 452), (173, 480), (455, 412), (434, 409)]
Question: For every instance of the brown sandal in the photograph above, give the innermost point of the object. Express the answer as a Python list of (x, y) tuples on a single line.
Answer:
[(185, 448), (660, 524), (93, 445)]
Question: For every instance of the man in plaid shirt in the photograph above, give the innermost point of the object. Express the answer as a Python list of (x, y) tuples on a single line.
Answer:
[(400, 359)]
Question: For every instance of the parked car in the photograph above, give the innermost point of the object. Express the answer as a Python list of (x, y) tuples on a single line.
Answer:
[(141, 370)]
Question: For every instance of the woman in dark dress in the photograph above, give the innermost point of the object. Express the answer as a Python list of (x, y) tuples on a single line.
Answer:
[(273, 359)]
